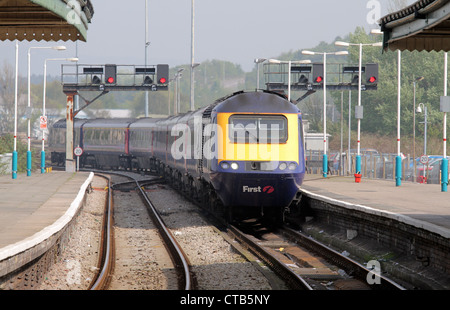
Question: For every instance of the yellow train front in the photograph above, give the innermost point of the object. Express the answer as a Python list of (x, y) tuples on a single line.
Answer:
[(258, 165)]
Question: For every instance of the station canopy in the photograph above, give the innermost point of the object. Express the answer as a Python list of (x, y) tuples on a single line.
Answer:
[(48, 20), (422, 26)]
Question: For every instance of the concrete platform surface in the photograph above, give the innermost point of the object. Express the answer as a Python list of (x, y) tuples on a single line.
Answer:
[(422, 205), (32, 208)]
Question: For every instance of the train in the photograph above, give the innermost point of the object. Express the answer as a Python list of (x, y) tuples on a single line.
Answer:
[(239, 156)]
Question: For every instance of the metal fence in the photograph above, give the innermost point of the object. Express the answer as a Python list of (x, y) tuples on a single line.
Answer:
[(376, 166)]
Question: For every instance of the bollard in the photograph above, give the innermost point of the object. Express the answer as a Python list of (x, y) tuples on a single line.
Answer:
[(28, 163), (14, 165), (444, 174), (42, 161), (398, 170)]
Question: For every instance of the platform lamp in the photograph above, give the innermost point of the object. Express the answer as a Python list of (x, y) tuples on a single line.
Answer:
[(325, 157), (57, 48), (15, 155), (43, 104), (379, 44), (416, 80)]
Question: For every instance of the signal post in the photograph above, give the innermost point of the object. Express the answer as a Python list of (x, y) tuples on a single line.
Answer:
[(103, 79)]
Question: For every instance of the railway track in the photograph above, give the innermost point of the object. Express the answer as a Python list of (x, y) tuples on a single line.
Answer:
[(306, 264), (107, 256)]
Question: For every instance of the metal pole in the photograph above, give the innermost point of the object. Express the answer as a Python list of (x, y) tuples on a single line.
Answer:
[(43, 114), (358, 154), (325, 157), (414, 135), (289, 81), (349, 166), (341, 167), (425, 132), (398, 159), (15, 155), (192, 57), (29, 118), (146, 46), (444, 164)]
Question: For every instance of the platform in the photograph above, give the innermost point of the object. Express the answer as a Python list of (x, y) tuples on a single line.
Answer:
[(35, 208), (420, 205)]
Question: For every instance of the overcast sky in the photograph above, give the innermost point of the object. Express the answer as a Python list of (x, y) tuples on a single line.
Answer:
[(232, 30)]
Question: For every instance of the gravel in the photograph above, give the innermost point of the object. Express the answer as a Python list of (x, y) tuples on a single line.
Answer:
[(215, 263)]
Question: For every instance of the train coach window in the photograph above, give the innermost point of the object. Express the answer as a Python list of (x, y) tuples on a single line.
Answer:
[(258, 129)]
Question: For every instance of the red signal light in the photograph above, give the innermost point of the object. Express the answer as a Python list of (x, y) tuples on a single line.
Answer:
[(372, 79), (319, 79), (162, 80), (110, 80)]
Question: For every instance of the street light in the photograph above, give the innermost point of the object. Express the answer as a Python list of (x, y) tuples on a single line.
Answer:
[(419, 110), (420, 78), (194, 65), (289, 62), (257, 62), (325, 157), (177, 77), (341, 43), (58, 48), (73, 59)]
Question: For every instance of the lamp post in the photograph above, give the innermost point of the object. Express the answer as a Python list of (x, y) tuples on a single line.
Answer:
[(43, 104), (58, 48), (177, 78), (420, 78), (419, 110), (15, 155), (444, 162), (325, 157), (289, 62), (194, 65), (192, 55), (340, 43), (257, 62)]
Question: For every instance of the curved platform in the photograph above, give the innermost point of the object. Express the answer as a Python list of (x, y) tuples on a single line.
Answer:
[(33, 212), (420, 205)]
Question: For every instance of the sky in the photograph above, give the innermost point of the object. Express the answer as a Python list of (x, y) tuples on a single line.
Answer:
[(234, 30)]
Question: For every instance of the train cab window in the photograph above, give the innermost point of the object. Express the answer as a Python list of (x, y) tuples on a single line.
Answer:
[(258, 129)]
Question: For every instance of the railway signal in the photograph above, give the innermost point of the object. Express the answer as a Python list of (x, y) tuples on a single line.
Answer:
[(162, 72), (110, 74), (317, 70), (371, 73)]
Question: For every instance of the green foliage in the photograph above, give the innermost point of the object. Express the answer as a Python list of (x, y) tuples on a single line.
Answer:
[(7, 146)]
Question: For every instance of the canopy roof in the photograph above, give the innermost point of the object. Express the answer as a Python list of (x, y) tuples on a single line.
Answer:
[(422, 26), (48, 20)]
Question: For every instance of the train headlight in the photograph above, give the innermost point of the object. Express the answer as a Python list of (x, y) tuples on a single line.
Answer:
[(292, 166), (282, 166), (234, 166), (224, 165)]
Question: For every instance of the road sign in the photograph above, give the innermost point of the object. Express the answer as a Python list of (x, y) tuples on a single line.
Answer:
[(424, 159), (43, 122), (78, 151)]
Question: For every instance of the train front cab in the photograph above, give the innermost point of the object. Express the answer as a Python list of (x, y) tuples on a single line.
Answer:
[(258, 170)]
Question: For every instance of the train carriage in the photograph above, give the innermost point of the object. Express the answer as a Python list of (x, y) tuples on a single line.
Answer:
[(142, 139), (57, 140), (105, 143)]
